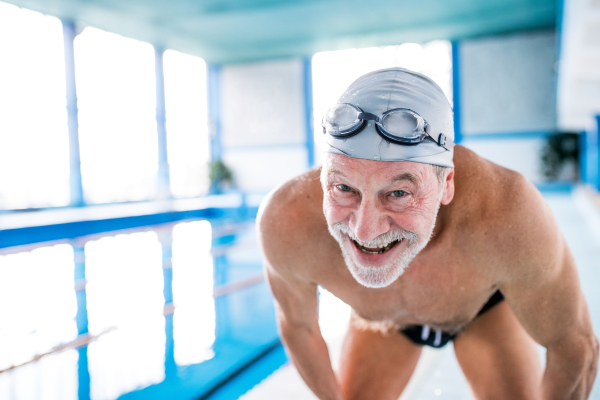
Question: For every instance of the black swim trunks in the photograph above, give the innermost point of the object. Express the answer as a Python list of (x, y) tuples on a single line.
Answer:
[(425, 336)]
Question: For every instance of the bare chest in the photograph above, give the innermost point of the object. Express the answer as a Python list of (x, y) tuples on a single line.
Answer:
[(442, 292)]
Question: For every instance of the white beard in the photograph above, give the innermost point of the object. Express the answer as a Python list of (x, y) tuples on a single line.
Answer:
[(385, 275)]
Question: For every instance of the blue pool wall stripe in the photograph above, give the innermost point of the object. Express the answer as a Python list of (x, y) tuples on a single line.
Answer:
[(456, 91), (590, 155)]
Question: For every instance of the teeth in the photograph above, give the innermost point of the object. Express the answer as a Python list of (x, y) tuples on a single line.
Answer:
[(362, 247), (380, 245)]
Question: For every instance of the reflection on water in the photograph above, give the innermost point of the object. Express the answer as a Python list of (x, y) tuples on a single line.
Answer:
[(125, 289), (54, 377), (140, 350), (37, 311), (194, 319)]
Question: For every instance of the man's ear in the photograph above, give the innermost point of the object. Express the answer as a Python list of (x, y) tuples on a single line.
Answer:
[(448, 188)]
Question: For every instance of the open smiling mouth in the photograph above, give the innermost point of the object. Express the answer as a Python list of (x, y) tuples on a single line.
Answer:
[(375, 250)]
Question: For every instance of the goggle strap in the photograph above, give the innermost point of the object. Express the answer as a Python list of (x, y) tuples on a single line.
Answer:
[(443, 142), (365, 116)]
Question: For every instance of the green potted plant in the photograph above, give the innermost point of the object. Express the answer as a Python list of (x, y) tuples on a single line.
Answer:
[(220, 175), (560, 150)]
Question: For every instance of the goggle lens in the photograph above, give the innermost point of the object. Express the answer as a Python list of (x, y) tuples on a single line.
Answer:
[(399, 125), (341, 118), (403, 124)]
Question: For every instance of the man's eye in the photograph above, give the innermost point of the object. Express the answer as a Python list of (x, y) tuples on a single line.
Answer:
[(344, 188), (398, 193)]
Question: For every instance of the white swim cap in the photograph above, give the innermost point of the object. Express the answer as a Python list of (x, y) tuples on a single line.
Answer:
[(398, 88)]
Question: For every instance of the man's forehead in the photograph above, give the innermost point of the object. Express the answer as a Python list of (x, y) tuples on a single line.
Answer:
[(345, 166), (339, 161)]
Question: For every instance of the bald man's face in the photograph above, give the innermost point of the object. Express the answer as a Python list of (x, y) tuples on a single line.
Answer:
[(381, 213)]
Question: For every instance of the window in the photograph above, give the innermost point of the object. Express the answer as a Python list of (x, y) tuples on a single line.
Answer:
[(194, 322), (34, 138), (187, 123), (125, 292), (37, 310), (116, 90)]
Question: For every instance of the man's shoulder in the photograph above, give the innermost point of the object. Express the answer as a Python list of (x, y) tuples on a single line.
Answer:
[(511, 214), (292, 202), (291, 220), (495, 191)]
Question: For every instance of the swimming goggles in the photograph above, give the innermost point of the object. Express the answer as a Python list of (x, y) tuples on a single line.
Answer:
[(399, 125)]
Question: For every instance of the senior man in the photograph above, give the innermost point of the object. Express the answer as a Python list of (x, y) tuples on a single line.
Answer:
[(427, 242)]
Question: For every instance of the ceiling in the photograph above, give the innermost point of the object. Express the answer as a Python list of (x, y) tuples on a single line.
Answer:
[(232, 31)]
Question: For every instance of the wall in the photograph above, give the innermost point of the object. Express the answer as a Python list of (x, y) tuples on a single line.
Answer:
[(508, 106), (579, 65), (263, 122), (508, 98)]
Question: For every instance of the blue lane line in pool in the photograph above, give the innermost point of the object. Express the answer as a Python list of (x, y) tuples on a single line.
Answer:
[(83, 389)]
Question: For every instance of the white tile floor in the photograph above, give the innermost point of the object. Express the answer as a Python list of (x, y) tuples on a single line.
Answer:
[(438, 375)]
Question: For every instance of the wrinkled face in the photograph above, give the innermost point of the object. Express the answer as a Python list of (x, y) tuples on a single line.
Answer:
[(381, 213)]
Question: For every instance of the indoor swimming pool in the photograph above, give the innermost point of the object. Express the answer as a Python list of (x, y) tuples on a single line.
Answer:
[(138, 140), (167, 311), (180, 310)]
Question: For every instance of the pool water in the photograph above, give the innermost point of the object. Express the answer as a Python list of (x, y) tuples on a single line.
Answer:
[(168, 311)]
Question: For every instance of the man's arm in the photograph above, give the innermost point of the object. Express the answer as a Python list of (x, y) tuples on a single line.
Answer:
[(286, 237), (544, 292), (296, 305)]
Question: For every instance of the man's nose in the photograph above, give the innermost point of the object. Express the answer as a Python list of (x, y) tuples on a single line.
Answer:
[(370, 221)]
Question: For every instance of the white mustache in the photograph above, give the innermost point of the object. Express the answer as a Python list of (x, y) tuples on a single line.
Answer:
[(381, 240)]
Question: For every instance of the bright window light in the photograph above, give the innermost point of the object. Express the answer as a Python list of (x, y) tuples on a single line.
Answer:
[(334, 71), (116, 94), (34, 139), (125, 291), (37, 310), (53, 377), (194, 322), (187, 123), (334, 315), (37, 303)]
